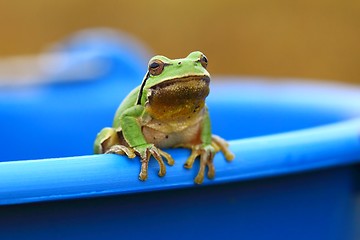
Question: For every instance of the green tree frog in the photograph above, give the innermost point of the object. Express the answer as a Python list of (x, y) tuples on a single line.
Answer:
[(167, 110)]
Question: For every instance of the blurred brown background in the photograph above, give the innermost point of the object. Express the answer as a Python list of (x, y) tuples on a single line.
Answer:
[(279, 38)]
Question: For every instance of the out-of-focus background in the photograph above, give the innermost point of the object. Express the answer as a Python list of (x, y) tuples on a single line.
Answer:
[(317, 39)]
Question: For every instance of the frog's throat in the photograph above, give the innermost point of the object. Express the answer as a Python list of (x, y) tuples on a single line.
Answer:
[(178, 99)]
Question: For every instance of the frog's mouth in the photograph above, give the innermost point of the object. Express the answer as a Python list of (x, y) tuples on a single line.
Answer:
[(187, 80)]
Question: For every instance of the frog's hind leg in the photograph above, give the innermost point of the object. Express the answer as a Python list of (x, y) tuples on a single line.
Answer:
[(111, 141)]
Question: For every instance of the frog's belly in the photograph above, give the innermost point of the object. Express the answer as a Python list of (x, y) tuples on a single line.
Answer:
[(189, 135)]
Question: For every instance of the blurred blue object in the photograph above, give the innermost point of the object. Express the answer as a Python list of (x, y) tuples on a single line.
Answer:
[(90, 71), (295, 175)]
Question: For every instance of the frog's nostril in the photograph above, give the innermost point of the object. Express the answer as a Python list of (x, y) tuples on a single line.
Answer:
[(179, 63)]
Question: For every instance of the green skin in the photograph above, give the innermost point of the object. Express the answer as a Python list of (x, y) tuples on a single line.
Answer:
[(167, 110)]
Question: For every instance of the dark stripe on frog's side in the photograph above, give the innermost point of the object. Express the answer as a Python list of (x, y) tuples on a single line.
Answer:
[(138, 102)]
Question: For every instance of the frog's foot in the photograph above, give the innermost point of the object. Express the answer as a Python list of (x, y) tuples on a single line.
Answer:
[(121, 150), (221, 145), (145, 152), (206, 154)]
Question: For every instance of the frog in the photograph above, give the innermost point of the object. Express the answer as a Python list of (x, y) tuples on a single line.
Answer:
[(167, 110)]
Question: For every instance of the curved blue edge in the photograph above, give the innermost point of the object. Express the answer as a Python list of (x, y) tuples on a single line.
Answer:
[(332, 139)]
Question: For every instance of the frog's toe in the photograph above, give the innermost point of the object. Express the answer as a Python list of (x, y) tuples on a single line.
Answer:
[(229, 156), (121, 150), (199, 178), (115, 149), (190, 161), (170, 161), (223, 146), (156, 154), (143, 175), (211, 170), (207, 154)]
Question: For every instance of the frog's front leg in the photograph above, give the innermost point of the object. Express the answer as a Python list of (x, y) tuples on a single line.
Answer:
[(130, 122), (211, 144), (206, 152)]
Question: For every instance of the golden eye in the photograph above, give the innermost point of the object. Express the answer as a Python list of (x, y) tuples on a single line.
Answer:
[(203, 61), (156, 67)]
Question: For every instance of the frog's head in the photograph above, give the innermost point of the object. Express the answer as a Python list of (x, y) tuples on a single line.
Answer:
[(177, 78), (162, 69)]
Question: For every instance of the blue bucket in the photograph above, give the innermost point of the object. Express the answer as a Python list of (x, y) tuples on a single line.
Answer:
[(295, 175)]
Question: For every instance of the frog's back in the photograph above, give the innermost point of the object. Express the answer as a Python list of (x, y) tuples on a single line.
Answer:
[(129, 101)]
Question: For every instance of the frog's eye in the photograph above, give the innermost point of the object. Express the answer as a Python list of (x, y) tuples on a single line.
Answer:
[(156, 67), (203, 61)]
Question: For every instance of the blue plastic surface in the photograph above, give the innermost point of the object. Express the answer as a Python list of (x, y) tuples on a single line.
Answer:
[(305, 134), (295, 176)]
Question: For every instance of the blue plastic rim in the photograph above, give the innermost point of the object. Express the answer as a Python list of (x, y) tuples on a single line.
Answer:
[(274, 128)]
